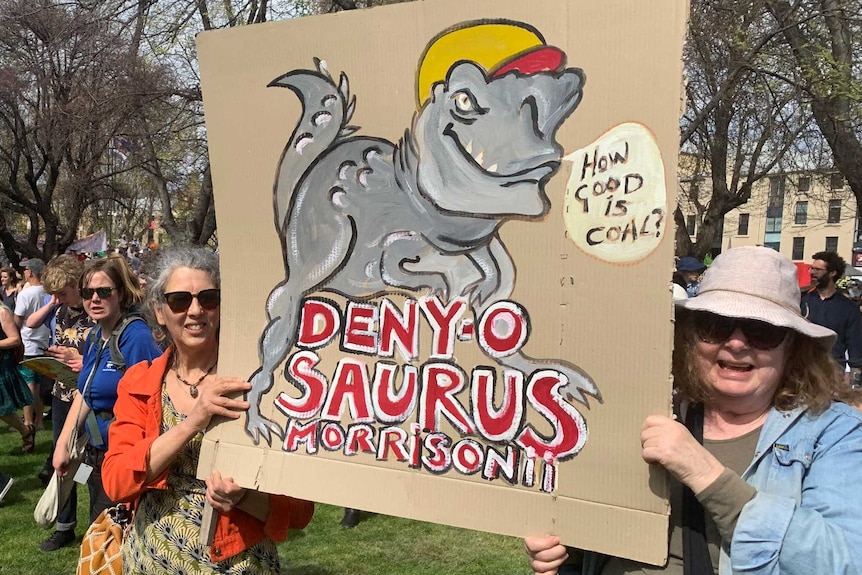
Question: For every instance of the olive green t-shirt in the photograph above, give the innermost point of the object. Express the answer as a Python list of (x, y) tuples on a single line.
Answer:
[(723, 501)]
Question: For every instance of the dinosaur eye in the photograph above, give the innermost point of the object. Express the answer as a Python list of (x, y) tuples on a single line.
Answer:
[(464, 102)]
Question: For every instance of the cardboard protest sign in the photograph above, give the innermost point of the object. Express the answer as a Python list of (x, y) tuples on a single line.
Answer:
[(446, 250)]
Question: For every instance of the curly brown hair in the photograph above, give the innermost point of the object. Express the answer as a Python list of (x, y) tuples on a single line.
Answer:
[(811, 377), (63, 270)]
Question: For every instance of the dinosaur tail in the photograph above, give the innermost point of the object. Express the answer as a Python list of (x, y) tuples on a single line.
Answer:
[(326, 111)]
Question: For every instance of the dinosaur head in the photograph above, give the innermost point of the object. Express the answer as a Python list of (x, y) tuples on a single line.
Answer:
[(487, 145), (493, 95)]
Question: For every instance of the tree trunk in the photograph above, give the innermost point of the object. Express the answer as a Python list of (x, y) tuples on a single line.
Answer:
[(831, 92)]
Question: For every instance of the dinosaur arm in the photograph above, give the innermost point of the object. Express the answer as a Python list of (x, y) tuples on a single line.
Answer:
[(498, 274)]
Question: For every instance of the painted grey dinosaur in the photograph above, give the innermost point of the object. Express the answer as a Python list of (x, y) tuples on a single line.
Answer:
[(362, 216)]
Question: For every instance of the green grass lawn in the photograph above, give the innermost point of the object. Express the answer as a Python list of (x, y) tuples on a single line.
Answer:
[(380, 545)]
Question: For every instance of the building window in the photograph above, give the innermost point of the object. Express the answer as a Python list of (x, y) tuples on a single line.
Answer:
[(804, 184), (832, 244), (775, 201), (743, 225), (773, 225), (834, 212), (836, 182), (798, 249), (691, 225), (801, 216), (774, 245)]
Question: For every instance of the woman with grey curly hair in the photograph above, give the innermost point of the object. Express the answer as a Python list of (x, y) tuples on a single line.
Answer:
[(162, 411), (160, 269)]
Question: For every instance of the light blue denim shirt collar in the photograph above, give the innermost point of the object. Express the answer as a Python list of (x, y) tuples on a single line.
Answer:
[(777, 423)]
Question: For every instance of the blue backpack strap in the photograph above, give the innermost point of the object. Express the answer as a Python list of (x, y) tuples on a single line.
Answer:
[(117, 359), (114, 340), (92, 338)]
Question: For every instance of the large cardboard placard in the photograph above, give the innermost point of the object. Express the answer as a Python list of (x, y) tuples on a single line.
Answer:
[(460, 310)]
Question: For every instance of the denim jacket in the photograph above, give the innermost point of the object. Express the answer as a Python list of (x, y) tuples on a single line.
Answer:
[(806, 518), (807, 515)]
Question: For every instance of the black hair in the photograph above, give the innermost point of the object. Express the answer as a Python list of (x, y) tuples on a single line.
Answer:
[(834, 263)]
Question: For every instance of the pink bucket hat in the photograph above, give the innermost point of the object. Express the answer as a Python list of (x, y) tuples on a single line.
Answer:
[(755, 283)]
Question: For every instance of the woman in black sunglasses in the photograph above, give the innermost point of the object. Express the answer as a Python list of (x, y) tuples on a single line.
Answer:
[(110, 293), (162, 412), (766, 457)]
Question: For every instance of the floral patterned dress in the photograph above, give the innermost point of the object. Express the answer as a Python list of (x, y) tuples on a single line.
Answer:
[(164, 537)]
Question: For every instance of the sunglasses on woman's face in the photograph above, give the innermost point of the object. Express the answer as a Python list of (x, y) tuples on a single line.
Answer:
[(712, 328), (180, 301), (102, 292)]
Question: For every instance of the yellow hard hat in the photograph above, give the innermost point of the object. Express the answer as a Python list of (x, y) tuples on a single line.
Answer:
[(499, 46)]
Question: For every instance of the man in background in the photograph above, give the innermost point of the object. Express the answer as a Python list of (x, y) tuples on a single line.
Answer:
[(35, 340), (826, 306)]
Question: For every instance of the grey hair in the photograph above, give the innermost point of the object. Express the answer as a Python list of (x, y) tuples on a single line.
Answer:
[(169, 260)]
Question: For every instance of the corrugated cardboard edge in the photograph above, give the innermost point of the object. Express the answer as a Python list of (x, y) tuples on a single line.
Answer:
[(426, 500)]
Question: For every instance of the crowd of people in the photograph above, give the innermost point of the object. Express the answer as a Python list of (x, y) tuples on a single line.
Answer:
[(147, 386), (764, 449)]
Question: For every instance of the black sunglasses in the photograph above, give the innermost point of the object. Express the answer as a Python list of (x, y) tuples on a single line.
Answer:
[(179, 301), (103, 292), (712, 328)]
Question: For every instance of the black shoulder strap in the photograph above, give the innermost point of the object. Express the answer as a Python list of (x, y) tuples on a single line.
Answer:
[(695, 552), (3, 306)]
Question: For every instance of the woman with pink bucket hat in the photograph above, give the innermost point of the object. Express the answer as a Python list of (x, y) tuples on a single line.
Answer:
[(766, 458)]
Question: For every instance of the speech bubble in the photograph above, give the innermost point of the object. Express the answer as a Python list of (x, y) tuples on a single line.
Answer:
[(616, 198)]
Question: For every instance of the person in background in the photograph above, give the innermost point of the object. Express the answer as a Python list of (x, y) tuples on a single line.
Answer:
[(36, 340), (767, 467), (162, 412), (134, 261), (691, 269), (678, 284), (71, 327), (110, 292), (351, 518), (14, 392), (24, 283), (10, 287), (826, 306)]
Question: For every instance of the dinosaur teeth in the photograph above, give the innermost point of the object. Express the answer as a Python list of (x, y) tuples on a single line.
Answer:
[(493, 168), (479, 157)]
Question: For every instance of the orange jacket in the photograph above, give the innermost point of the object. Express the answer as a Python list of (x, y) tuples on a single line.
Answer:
[(139, 413)]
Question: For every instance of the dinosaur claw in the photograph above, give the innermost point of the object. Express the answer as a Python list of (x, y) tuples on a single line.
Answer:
[(582, 391), (260, 427), (276, 429)]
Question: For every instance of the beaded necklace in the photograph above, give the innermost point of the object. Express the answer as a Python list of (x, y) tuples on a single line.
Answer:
[(193, 387)]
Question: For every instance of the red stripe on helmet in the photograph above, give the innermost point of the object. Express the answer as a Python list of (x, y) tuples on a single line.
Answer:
[(542, 59)]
